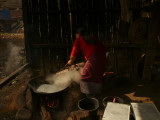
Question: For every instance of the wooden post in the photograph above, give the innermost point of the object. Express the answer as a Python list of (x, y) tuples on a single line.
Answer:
[(27, 26), (44, 34), (54, 31), (36, 53)]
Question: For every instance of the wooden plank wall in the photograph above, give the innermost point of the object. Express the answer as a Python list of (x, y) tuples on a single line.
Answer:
[(50, 31)]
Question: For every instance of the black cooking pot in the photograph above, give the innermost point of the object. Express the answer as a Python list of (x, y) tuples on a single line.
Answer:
[(37, 82), (40, 86)]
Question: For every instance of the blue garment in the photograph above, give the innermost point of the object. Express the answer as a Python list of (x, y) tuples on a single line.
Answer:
[(4, 14)]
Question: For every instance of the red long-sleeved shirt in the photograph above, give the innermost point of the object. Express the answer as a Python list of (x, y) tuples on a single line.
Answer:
[(80, 44)]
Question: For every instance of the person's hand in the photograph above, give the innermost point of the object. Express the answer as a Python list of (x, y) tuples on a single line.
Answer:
[(70, 62), (67, 65)]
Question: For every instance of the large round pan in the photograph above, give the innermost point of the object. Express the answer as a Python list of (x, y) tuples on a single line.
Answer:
[(38, 82)]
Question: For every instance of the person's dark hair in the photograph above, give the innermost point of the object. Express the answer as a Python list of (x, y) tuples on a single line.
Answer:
[(85, 34)]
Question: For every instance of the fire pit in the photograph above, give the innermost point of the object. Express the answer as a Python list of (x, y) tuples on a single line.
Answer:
[(51, 99), (52, 102)]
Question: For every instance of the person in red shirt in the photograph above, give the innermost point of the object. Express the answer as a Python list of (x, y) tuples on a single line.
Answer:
[(95, 54)]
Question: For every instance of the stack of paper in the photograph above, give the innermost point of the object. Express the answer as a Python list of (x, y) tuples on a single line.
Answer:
[(145, 111), (116, 111)]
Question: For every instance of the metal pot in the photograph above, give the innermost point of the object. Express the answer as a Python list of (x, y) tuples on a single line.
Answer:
[(91, 105), (38, 82), (111, 99), (35, 83)]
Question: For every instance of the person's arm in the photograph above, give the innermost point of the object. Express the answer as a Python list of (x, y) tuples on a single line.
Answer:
[(71, 61), (74, 53)]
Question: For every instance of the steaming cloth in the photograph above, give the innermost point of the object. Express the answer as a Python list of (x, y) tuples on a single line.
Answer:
[(92, 73)]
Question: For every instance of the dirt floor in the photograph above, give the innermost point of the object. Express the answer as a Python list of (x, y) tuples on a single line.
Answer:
[(136, 91), (9, 93)]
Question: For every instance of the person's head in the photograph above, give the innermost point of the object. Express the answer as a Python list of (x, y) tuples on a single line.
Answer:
[(85, 34), (81, 32)]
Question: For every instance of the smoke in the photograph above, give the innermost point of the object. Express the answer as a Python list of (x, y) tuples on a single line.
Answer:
[(14, 59), (60, 81), (65, 77)]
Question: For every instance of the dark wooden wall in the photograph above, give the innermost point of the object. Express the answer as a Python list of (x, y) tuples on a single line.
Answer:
[(50, 26)]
